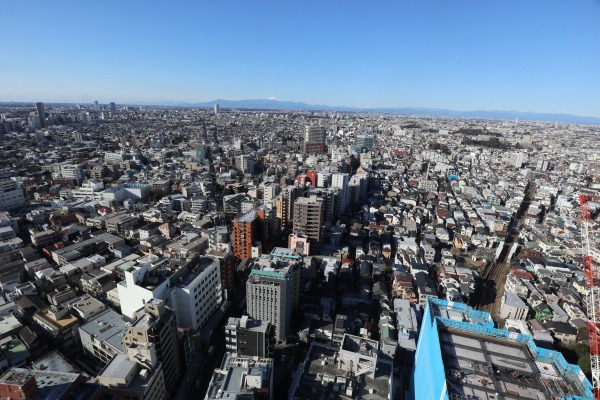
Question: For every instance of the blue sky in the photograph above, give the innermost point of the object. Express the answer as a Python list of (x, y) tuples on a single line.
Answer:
[(533, 55)]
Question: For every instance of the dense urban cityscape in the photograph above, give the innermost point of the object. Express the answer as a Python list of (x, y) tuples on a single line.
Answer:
[(153, 252)]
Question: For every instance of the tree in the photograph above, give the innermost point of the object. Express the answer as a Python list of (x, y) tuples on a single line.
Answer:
[(157, 194), (585, 364), (582, 335)]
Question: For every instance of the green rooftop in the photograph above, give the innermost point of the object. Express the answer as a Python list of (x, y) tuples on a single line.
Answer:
[(126, 265), (271, 274), (14, 349)]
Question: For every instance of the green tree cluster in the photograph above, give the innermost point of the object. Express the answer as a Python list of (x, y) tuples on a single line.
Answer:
[(439, 146), (493, 143)]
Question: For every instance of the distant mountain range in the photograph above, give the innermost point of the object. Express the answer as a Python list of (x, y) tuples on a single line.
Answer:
[(268, 104)]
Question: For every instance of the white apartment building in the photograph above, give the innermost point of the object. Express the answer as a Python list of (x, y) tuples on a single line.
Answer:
[(141, 284), (11, 195), (340, 181), (196, 295), (66, 170), (269, 190), (245, 164), (89, 190)]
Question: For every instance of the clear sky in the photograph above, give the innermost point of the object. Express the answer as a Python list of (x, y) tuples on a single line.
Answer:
[(523, 55)]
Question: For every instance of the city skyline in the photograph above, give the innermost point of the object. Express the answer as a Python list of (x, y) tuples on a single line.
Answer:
[(534, 57)]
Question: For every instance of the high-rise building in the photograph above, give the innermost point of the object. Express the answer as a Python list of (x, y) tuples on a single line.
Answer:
[(245, 164), (41, 113), (284, 204), (357, 188), (249, 337), (194, 291), (364, 142), (323, 179), (269, 190), (273, 289), (197, 294), (11, 195), (216, 109), (96, 105), (314, 139), (154, 334), (327, 198), (223, 252), (517, 159), (244, 234), (113, 107), (309, 218), (256, 226), (315, 134), (340, 181), (269, 227), (461, 355)]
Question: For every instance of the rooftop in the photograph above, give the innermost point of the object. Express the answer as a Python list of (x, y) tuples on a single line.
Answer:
[(108, 327), (8, 324), (186, 279), (322, 378), (118, 367), (54, 361), (241, 376), (51, 384), (247, 323), (481, 361), (247, 217), (483, 367), (14, 349)]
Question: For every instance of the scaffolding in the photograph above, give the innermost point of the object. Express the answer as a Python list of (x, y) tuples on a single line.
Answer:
[(592, 284)]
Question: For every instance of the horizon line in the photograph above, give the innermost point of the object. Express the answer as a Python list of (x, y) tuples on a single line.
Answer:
[(207, 104)]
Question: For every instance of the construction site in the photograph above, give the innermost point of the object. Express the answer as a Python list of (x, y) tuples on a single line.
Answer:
[(460, 356)]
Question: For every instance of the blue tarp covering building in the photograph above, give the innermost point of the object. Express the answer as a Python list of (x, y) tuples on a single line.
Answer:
[(461, 355)]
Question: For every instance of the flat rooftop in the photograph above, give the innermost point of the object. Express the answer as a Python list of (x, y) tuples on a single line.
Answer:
[(9, 324), (240, 377), (247, 217), (484, 368), (322, 379), (186, 279), (107, 327), (54, 361), (52, 385), (119, 367)]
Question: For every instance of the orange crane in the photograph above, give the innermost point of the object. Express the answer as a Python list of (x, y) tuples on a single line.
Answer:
[(592, 283)]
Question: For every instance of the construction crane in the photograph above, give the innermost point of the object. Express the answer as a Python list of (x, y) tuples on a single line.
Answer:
[(592, 283)]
